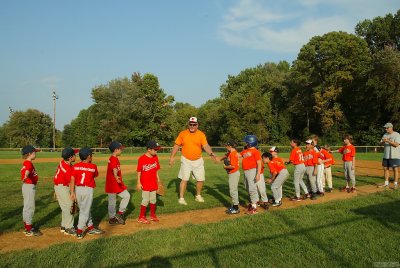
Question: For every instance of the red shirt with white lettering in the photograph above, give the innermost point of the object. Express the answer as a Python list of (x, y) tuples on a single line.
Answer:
[(84, 174), (310, 158), (148, 167), (348, 152), (63, 174), (112, 186), (296, 156), (33, 176)]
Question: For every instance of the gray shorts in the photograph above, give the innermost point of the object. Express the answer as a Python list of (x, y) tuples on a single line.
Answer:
[(391, 163)]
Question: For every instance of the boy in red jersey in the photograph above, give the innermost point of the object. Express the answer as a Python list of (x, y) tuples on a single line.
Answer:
[(311, 162), (115, 186), (29, 179), (349, 162), (251, 165), (62, 181), (296, 158), (279, 175), (83, 175), (148, 180), (328, 161)]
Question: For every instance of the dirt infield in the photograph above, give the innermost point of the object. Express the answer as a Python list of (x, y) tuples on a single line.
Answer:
[(14, 241)]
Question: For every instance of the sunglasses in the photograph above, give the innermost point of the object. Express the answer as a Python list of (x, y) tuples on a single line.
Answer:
[(192, 125)]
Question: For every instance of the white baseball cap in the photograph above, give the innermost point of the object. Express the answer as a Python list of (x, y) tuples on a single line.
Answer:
[(193, 119), (309, 141), (387, 125)]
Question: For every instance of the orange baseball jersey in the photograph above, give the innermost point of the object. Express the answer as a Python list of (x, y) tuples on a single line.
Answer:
[(324, 155), (296, 156), (33, 176), (275, 166), (112, 186), (278, 159), (191, 143), (63, 174), (250, 158), (234, 159), (310, 158), (84, 174), (348, 152)]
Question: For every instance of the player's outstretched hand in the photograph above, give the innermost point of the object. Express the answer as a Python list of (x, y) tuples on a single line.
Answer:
[(171, 161)]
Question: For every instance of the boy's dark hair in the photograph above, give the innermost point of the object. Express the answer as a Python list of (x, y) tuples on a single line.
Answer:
[(348, 137), (296, 141), (85, 152), (267, 155)]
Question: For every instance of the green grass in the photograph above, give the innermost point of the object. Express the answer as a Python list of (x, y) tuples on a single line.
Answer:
[(48, 213), (348, 233)]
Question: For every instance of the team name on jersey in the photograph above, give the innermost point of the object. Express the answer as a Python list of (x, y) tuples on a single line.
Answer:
[(85, 169), (308, 157), (148, 167), (247, 154)]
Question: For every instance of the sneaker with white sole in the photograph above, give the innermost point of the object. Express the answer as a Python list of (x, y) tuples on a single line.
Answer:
[(182, 201), (62, 229), (120, 218), (70, 231), (95, 231), (33, 232), (199, 198)]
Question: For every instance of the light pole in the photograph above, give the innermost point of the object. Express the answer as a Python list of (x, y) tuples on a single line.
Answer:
[(11, 112), (55, 97)]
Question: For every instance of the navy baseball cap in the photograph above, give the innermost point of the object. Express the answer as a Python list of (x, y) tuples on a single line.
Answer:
[(68, 152), (153, 145), (85, 152), (115, 145), (29, 149)]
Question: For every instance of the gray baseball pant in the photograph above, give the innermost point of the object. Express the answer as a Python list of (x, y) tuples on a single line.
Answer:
[(233, 179), (112, 202), (65, 202), (276, 186), (149, 197), (28, 193), (262, 189), (328, 177), (349, 173), (84, 197), (311, 178), (320, 178), (250, 179), (299, 171)]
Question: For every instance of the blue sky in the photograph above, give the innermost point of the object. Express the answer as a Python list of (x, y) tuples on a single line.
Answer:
[(191, 46)]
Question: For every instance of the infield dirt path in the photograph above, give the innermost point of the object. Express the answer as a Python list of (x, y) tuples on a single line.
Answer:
[(14, 241)]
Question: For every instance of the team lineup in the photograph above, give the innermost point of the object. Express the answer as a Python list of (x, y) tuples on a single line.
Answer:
[(75, 182)]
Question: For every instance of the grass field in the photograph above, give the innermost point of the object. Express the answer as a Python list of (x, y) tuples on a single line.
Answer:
[(354, 233)]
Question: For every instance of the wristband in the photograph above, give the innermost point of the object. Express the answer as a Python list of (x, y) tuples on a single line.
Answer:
[(212, 154)]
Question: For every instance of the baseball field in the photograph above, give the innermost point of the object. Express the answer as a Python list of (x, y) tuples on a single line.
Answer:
[(339, 230)]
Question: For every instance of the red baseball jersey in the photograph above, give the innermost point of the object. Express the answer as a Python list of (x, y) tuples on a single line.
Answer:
[(112, 186), (148, 167), (63, 174), (84, 174), (234, 159), (250, 158), (310, 158), (348, 152), (296, 156), (33, 176), (275, 165)]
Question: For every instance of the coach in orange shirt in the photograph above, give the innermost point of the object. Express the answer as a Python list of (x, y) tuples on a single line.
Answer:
[(192, 141)]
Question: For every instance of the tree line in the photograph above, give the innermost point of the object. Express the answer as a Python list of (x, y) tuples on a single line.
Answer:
[(339, 83)]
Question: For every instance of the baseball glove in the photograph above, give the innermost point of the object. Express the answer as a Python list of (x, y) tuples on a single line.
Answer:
[(227, 162), (161, 189), (74, 208)]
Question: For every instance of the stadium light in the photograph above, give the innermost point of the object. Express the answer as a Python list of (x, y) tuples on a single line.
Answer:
[(55, 97)]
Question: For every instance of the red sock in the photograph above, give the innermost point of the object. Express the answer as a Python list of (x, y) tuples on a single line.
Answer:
[(79, 231), (120, 213), (28, 227), (142, 211), (152, 210)]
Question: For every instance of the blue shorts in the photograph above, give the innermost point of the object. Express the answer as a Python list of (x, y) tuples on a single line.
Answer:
[(391, 163)]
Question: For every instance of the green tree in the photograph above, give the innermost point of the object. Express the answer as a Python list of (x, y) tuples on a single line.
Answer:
[(29, 127)]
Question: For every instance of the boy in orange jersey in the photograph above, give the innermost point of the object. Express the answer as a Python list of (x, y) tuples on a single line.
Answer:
[(62, 181), (251, 165), (115, 186), (279, 175), (328, 161), (311, 162), (349, 162), (231, 165), (83, 175), (29, 179), (296, 158)]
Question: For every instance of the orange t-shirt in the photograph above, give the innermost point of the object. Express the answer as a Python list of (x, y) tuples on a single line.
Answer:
[(324, 154), (250, 158), (310, 158), (348, 152), (296, 156), (278, 159), (275, 166), (234, 159), (191, 143)]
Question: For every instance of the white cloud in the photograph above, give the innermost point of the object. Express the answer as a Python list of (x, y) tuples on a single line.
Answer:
[(285, 26)]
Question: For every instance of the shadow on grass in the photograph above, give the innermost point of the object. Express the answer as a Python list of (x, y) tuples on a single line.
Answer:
[(191, 187)]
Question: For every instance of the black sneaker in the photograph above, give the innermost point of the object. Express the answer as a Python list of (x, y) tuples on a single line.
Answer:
[(120, 218), (313, 196), (113, 221), (277, 204), (70, 231), (95, 231), (62, 229), (232, 210), (80, 235)]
